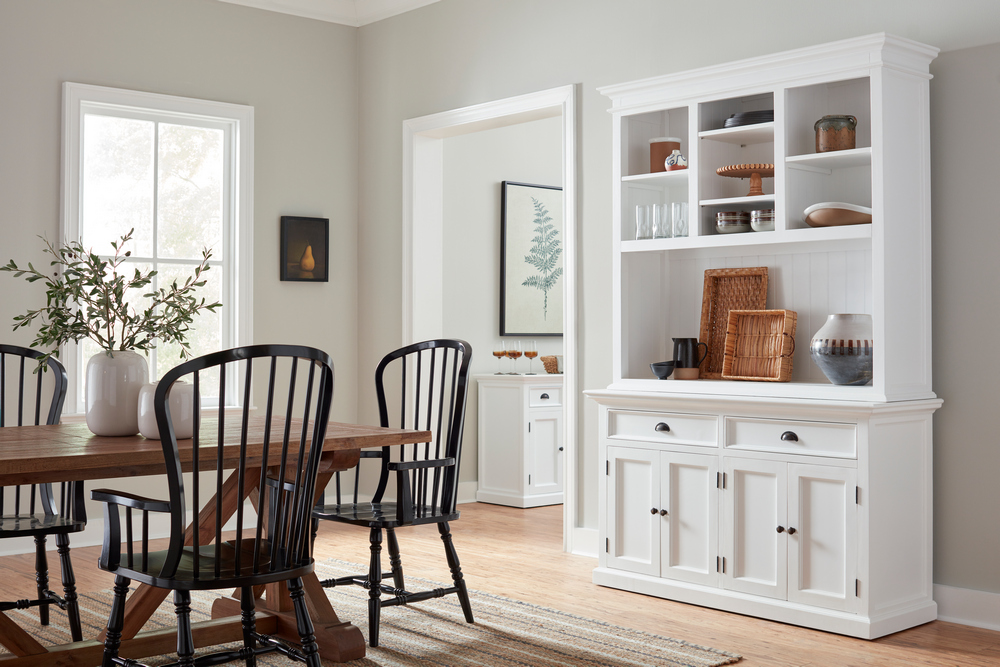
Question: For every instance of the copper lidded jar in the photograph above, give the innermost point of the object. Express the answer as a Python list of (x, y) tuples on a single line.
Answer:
[(835, 133)]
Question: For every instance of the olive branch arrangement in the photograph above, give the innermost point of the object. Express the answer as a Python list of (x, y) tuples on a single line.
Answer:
[(86, 297)]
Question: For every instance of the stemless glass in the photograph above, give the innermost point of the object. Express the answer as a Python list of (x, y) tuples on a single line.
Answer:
[(531, 351), (514, 352), (499, 351)]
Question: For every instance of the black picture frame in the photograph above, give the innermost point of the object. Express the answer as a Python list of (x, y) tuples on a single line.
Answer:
[(531, 264), (297, 234)]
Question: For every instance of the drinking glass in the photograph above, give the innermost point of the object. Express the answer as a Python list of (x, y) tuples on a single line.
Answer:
[(499, 351), (679, 216), (642, 222), (661, 221), (531, 351), (514, 352)]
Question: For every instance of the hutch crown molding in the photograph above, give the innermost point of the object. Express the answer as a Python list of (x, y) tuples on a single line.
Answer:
[(803, 501)]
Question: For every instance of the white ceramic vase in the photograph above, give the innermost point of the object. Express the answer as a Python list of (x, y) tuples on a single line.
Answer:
[(181, 401), (113, 383), (843, 349)]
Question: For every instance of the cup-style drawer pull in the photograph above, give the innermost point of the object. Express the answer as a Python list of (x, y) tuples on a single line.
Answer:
[(662, 427), (789, 436), (544, 397)]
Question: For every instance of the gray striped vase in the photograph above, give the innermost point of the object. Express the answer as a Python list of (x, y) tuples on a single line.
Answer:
[(843, 349)]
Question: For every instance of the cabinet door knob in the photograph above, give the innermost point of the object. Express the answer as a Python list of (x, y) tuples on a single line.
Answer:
[(781, 529), (560, 449), (791, 531), (664, 512), (544, 397), (662, 427), (789, 436), (654, 511)]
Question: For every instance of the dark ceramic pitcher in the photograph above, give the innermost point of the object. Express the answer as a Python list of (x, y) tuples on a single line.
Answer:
[(686, 353)]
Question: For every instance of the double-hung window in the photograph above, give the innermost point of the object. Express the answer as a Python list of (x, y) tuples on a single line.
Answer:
[(179, 172)]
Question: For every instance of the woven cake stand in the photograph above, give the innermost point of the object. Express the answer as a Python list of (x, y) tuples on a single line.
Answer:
[(752, 171)]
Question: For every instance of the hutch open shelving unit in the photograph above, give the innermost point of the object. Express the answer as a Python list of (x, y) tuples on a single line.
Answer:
[(802, 501)]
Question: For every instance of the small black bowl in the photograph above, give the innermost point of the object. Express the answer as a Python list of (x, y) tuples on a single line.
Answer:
[(662, 369)]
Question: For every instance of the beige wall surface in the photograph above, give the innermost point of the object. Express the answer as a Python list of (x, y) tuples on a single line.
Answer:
[(457, 53), (299, 75), (474, 166)]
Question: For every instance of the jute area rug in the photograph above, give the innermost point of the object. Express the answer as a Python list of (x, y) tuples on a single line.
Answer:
[(507, 632)]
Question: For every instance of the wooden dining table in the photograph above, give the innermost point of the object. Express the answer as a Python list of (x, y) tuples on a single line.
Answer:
[(70, 452)]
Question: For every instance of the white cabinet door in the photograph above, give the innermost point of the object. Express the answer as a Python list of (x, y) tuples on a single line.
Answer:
[(545, 456), (633, 498), (689, 531), (755, 510), (822, 553)]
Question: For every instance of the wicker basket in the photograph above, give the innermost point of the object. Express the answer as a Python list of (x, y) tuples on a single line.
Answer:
[(760, 345), (726, 290), (550, 363)]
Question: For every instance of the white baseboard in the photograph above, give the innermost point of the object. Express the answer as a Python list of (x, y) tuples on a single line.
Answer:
[(979, 609), (585, 542)]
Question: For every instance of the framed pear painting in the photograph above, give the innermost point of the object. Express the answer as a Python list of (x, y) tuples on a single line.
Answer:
[(531, 267), (305, 249)]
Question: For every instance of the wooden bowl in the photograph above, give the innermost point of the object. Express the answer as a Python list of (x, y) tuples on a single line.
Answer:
[(835, 214)]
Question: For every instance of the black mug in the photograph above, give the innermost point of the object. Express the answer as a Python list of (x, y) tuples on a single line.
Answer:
[(686, 353)]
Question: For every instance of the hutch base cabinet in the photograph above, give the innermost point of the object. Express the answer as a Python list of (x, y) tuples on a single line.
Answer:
[(802, 501), (520, 440)]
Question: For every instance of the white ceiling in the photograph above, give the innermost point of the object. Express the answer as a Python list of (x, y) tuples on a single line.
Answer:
[(347, 12)]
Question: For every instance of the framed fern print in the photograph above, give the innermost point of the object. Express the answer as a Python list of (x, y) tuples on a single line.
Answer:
[(531, 267)]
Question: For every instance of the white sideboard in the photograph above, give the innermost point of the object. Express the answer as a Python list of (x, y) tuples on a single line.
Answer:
[(520, 440), (803, 501)]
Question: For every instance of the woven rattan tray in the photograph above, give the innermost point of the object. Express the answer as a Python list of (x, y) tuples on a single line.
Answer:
[(760, 345), (725, 290)]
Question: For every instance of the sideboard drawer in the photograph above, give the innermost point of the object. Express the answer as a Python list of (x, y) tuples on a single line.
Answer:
[(795, 437), (664, 427), (545, 397)]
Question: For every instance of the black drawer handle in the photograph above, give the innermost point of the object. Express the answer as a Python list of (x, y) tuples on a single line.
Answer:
[(789, 436), (663, 427), (544, 397)]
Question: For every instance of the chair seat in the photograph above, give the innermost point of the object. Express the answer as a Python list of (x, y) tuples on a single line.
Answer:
[(380, 515), (12, 525), (206, 579)]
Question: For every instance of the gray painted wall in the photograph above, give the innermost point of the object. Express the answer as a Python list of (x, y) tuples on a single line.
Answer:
[(474, 166), (456, 53)]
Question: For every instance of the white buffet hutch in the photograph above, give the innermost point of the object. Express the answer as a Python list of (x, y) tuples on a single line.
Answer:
[(704, 497)]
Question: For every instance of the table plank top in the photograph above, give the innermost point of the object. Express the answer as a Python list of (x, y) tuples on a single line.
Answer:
[(70, 452)]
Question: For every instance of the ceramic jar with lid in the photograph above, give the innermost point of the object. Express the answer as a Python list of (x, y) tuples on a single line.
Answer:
[(728, 222), (835, 133), (762, 220), (660, 148)]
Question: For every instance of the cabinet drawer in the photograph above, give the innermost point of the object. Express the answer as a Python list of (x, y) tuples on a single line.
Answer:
[(796, 437), (544, 397), (664, 427)]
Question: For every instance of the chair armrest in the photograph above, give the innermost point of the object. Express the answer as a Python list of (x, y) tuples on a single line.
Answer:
[(416, 465), (130, 500)]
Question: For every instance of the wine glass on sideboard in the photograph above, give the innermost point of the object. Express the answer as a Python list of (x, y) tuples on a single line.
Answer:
[(531, 351), (499, 351), (514, 352)]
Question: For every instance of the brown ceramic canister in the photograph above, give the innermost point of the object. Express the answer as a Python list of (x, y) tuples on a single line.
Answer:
[(660, 149), (835, 133)]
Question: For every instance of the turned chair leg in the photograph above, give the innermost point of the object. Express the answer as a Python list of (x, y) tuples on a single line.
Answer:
[(249, 619), (185, 640), (375, 587), (69, 587), (395, 562), (303, 623), (116, 622), (456, 570), (41, 577)]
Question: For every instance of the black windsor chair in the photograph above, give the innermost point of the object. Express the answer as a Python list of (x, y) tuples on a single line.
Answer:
[(39, 510), (431, 380), (271, 545)]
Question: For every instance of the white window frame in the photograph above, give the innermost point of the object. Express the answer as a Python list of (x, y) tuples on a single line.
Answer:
[(237, 120)]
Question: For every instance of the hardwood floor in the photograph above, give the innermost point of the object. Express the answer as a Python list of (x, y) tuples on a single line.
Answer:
[(517, 553)]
